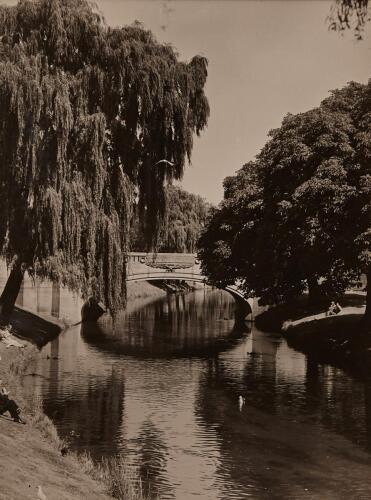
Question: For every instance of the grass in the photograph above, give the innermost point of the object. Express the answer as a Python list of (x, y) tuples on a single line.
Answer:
[(275, 317), (121, 480), (13, 368)]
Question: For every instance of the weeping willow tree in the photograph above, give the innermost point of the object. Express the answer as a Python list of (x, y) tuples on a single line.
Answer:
[(185, 217), (87, 114)]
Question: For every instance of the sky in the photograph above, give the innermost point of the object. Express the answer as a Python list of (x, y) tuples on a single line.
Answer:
[(266, 58)]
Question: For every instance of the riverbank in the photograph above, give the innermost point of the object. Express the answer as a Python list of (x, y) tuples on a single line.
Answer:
[(336, 340), (302, 310), (33, 455), (30, 455), (35, 329)]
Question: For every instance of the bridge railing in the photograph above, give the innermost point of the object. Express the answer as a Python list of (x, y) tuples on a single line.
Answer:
[(146, 263), (151, 257)]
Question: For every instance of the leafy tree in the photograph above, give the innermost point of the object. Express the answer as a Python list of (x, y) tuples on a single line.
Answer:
[(225, 250), (88, 113), (185, 217), (299, 216)]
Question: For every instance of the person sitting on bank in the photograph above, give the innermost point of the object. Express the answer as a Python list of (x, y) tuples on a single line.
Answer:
[(8, 405), (338, 308), (335, 308)]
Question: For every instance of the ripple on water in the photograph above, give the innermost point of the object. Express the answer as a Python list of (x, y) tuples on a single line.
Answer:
[(161, 386)]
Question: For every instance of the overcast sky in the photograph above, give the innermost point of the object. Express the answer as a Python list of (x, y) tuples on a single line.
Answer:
[(266, 58)]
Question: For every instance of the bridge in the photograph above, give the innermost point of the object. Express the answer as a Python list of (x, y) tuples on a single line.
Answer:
[(143, 266)]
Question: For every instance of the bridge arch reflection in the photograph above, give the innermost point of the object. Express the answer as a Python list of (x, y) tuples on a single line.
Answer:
[(198, 324)]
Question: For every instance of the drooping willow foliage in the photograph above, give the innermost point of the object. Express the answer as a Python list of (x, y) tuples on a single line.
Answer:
[(185, 218), (86, 113), (349, 15)]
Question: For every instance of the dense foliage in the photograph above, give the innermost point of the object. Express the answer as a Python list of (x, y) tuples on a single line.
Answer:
[(87, 114), (185, 218), (299, 216)]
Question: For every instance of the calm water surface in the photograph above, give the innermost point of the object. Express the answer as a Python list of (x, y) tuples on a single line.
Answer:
[(162, 385)]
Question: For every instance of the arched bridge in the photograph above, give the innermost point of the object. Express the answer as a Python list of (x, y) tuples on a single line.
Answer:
[(143, 266)]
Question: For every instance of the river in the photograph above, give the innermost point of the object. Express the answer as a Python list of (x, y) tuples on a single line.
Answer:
[(205, 408)]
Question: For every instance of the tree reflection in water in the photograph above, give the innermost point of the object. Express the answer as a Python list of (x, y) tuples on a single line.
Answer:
[(161, 386), (176, 327), (151, 459), (86, 410), (312, 405)]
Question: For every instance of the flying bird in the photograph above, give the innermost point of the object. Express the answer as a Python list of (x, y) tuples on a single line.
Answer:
[(165, 161)]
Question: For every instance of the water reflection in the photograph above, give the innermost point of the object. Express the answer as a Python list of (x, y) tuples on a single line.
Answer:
[(151, 458), (279, 381), (56, 300), (161, 386), (176, 326), (85, 397), (313, 407)]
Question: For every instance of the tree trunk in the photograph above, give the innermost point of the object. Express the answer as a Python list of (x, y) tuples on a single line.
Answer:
[(367, 316), (10, 293), (56, 299), (314, 290)]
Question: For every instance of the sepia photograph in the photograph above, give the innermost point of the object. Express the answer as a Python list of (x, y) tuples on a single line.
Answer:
[(185, 249)]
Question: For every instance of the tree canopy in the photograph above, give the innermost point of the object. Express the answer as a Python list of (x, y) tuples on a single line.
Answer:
[(299, 215), (87, 114), (185, 218)]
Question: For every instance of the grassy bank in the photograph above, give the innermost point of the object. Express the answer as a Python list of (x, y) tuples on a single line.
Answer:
[(33, 455), (30, 455), (302, 310), (339, 340)]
